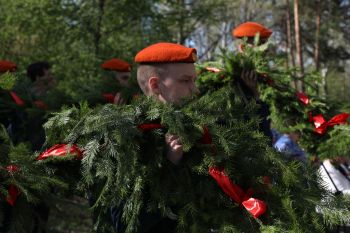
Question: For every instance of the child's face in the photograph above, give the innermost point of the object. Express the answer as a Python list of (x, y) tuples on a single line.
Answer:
[(178, 82), (47, 79), (123, 78)]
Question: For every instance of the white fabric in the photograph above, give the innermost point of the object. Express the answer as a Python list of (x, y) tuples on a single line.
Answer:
[(338, 178)]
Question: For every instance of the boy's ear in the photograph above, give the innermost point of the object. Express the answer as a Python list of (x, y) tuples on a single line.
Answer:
[(153, 85)]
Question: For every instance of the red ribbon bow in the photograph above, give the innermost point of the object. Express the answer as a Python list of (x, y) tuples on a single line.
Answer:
[(61, 150), (321, 124), (267, 79), (41, 104), (303, 98), (254, 206), (149, 126), (17, 99), (109, 97), (13, 193), (206, 138), (12, 168)]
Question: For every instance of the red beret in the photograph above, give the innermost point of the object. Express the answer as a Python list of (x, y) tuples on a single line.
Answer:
[(166, 53), (250, 29), (116, 64), (7, 66)]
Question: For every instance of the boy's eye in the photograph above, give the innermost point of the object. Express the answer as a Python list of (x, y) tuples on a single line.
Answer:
[(185, 80)]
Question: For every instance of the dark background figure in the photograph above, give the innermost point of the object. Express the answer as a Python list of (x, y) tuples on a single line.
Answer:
[(12, 106), (249, 79), (41, 77), (121, 89), (287, 144), (42, 81), (45, 97)]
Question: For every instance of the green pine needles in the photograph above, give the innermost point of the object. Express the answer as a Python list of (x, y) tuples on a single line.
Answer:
[(125, 164)]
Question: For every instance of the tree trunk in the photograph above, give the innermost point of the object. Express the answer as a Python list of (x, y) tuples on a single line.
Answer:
[(290, 47), (224, 32), (344, 89), (101, 5), (181, 38), (245, 9), (317, 39), (298, 43), (324, 73)]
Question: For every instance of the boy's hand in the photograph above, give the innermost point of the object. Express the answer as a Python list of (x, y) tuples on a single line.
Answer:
[(250, 79), (118, 99), (174, 150)]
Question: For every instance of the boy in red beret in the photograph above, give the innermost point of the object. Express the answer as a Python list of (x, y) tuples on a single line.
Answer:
[(122, 71), (250, 30), (166, 72), (249, 78)]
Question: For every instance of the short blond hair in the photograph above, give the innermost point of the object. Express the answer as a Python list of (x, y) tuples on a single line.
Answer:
[(145, 71)]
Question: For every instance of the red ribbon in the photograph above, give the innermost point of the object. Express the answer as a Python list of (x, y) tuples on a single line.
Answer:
[(149, 126), (61, 150), (13, 193), (12, 168), (254, 206), (267, 181), (310, 117), (41, 104), (109, 97), (17, 99), (206, 138), (267, 79), (303, 98), (321, 124)]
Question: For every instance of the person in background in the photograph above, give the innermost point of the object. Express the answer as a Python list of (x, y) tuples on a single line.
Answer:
[(249, 30), (335, 174), (41, 77), (287, 144), (122, 75), (249, 78)]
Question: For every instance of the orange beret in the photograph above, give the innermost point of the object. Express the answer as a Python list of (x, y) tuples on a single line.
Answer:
[(250, 29), (116, 64), (166, 53), (7, 66)]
